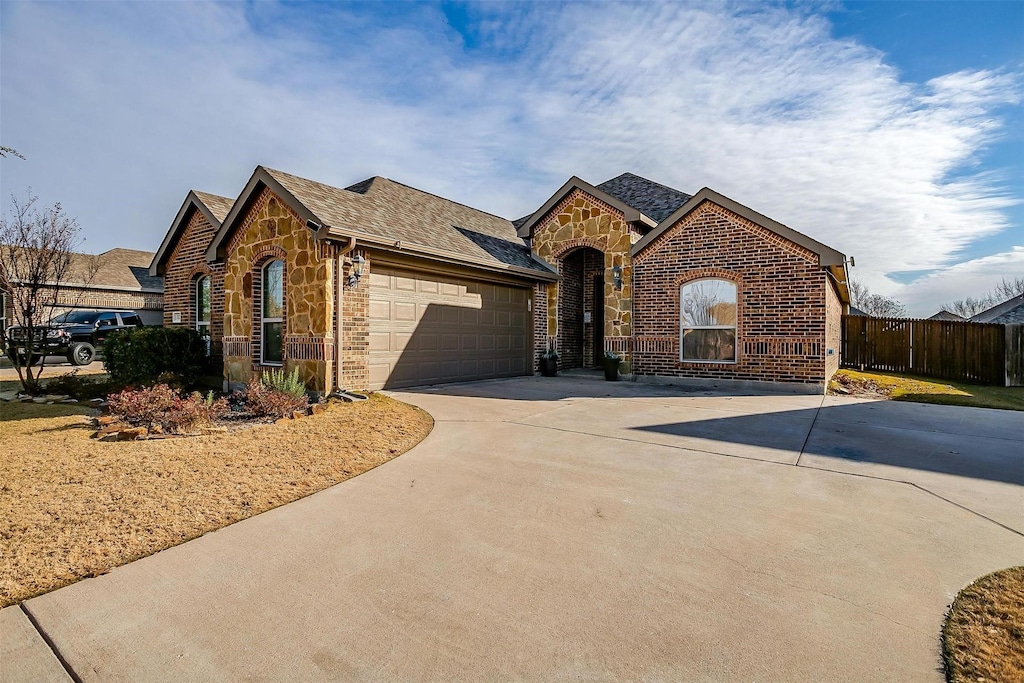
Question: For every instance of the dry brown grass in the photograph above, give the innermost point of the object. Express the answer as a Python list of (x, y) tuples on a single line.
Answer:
[(983, 639), (73, 507)]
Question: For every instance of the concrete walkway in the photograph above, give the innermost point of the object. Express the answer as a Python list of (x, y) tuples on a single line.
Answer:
[(553, 529)]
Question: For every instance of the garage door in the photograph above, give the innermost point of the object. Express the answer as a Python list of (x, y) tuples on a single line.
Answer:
[(428, 329)]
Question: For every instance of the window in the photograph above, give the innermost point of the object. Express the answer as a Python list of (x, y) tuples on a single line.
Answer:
[(707, 312), (107, 320), (272, 296), (203, 310), (131, 320)]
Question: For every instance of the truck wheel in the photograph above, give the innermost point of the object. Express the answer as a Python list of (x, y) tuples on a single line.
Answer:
[(81, 353)]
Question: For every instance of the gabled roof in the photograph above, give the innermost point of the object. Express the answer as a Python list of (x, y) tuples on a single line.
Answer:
[(650, 198), (1010, 311), (827, 256), (118, 269), (946, 315), (212, 206), (632, 214), (386, 214)]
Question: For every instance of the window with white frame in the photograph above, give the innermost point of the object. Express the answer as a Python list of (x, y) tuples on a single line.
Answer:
[(707, 321), (272, 297), (202, 316)]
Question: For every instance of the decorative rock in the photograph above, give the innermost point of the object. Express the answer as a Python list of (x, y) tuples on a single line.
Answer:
[(57, 397), (298, 414), (97, 401), (69, 400), (108, 429), (316, 409), (8, 396), (112, 436), (132, 433), (283, 420), (105, 420), (39, 399)]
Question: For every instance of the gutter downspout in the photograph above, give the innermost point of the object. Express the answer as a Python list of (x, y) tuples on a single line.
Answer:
[(339, 299)]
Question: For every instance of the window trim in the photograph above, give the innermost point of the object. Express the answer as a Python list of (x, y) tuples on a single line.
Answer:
[(264, 319), (735, 327)]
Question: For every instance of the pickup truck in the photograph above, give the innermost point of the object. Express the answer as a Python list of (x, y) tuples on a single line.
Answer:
[(75, 334)]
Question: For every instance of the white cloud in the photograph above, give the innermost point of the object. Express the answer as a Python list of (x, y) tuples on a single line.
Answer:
[(973, 278), (122, 108)]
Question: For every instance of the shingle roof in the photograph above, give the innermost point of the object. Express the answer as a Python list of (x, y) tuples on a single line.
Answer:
[(393, 212), (124, 269), (946, 315), (1008, 312), (218, 206), (652, 199)]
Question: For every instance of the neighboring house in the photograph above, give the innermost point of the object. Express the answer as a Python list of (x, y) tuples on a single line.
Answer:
[(381, 285), (853, 310), (118, 278), (947, 315), (1009, 312)]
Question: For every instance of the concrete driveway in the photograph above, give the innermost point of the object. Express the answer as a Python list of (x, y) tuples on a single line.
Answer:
[(553, 529)]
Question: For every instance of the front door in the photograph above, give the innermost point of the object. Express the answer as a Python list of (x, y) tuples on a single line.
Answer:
[(598, 320)]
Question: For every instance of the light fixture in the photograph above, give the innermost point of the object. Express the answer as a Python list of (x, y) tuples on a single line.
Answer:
[(358, 265), (617, 276)]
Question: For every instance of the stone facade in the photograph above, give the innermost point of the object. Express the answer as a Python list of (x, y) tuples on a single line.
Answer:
[(781, 300), (271, 230), (186, 264), (581, 221)]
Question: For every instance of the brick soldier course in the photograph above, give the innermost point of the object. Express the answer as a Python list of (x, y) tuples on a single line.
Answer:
[(602, 268)]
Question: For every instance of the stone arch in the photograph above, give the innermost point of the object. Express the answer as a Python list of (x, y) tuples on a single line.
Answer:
[(563, 249)]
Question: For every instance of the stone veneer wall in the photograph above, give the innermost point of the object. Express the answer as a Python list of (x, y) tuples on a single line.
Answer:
[(272, 230), (578, 221), (186, 264), (780, 290)]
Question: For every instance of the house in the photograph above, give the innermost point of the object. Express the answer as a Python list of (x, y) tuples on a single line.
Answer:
[(1008, 312), (118, 278), (381, 285), (946, 315)]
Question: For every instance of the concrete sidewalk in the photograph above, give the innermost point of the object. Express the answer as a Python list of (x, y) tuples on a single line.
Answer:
[(563, 528)]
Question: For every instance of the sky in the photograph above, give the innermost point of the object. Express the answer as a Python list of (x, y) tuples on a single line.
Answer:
[(891, 131)]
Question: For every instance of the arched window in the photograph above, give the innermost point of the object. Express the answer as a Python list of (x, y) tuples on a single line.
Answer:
[(272, 302), (707, 321), (202, 316)]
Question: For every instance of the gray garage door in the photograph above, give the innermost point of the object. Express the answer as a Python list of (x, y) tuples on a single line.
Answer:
[(428, 329)]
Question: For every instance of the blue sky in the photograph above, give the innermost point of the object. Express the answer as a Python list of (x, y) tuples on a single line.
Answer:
[(891, 131)]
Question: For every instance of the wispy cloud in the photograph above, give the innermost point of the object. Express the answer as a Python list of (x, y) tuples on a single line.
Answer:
[(122, 108)]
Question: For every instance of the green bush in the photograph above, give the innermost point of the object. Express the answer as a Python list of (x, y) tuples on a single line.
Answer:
[(145, 355), (286, 383)]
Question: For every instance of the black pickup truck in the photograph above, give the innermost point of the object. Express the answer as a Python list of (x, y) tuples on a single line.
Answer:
[(76, 335)]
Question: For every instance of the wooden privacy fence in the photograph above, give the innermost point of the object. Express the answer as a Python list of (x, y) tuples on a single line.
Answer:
[(970, 352)]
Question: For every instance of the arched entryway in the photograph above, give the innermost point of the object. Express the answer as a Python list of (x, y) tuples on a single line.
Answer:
[(581, 308)]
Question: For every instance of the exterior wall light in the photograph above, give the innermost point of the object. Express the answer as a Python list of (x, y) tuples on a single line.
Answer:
[(358, 265), (617, 276)]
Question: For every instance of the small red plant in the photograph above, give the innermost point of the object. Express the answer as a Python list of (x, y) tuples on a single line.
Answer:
[(161, 407)]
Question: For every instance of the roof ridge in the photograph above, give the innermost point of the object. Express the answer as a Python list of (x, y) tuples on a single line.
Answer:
[(646, 179), (446, 199)]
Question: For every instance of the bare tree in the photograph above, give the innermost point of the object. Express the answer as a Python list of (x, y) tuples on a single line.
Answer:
[(37, 263), (4, 151), (970, 306), (876, 305)]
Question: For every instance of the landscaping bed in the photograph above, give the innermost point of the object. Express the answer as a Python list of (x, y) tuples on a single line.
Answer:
[(882, 385), (983, 639), (72, 506)]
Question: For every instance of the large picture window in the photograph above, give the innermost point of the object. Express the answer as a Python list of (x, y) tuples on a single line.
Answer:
[(707, 312), (272, 296), (203, 310)]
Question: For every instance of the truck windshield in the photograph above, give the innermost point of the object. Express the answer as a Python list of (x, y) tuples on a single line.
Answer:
[(80, 317)]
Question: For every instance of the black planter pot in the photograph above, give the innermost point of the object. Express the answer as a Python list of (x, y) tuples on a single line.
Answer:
[(611, 369), (548, 366)]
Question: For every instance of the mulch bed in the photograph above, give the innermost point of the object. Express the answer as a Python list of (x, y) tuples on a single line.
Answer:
[(72, 506)]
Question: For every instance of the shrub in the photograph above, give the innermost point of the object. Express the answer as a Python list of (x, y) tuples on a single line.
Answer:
[(160, 408), (81, 387), (287, 383), (145, 355), (261, 399)]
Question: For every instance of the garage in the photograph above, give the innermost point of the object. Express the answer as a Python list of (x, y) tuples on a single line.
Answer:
[(428, 328)]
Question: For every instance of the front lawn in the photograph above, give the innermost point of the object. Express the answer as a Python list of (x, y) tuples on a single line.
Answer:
[(73, 507), (983, 639), (925, 390)]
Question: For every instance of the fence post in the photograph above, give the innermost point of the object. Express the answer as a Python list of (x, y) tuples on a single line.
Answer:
[(1014, 354)]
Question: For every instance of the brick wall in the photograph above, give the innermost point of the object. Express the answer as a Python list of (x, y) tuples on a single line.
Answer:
[(186, 264), (355, 331), (540, 322), (780, 294), (833, 328)]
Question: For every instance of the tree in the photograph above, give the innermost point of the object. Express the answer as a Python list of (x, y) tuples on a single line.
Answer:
[(876, 305), (970, 307), (4, 151), (37, 262)]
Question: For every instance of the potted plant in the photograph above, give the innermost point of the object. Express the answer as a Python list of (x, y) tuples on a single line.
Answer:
[(549, 362), (611, 366)]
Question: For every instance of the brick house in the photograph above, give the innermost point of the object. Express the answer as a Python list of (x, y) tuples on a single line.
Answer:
[(381, 285), (118, 278)]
